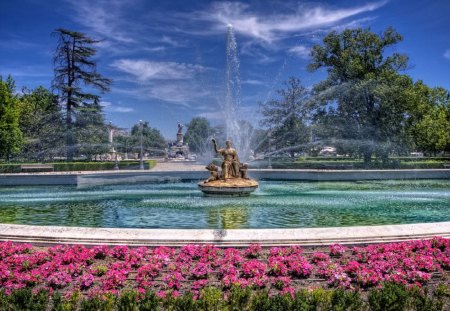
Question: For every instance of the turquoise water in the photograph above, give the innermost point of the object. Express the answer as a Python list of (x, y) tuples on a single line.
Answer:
[(276, 204)]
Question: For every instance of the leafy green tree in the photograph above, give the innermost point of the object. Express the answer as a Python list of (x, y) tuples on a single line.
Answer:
[(362, 100), (152, 140), (91, 131), (198, 134), (75, 67), (41, 122), (429, 118), (287, 116), (10, 133)]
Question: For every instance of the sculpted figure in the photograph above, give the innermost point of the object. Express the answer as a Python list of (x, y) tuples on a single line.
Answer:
[(243, 170), (230, 164), (214, 170)]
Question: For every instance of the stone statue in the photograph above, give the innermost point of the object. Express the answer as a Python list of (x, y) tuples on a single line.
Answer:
[(233, 179), (180, 128), (230, 164), (243, 170), (214, 170)]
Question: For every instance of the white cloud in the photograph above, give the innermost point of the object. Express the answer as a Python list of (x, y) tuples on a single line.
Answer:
[(252, 82), (145, 70), (447, 54), (270, 27), (301, 51), (108, 106), (104, 18)]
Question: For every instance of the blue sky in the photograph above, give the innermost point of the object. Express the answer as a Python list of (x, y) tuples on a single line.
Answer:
[(167, 58)]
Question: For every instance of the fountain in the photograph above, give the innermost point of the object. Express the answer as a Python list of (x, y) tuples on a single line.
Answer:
[(232, 180), (236, 130)]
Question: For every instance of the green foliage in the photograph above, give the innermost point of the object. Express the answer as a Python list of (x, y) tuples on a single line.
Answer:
[(389, 298), (211, 299), (149, 302), (287, 117), (128, 301), (24, 299), (261, 301), (74, 67), (106, 303), (82, 166), (239, 299), (197, 135), (362, 100), (91, 133), (41, 122), (10, 133), (186, 303), (152, 140), (346, 300)]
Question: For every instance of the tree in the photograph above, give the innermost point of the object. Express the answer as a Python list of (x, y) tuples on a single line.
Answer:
[(429, 118), (41, 123), (91, 131), (286, 117), (74, 66), (10, 133), (362, 96), (152, 140), (198, 134)]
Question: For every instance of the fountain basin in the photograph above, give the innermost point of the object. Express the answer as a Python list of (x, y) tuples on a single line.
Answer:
[(236, 187)]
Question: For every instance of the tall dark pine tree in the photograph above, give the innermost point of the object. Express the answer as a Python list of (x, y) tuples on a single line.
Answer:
[(75, 67)]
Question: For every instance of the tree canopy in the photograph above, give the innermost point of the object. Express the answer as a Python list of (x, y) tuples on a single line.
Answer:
[(75, 67), (10, 133)]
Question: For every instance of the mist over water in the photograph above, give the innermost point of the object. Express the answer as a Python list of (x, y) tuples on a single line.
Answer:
[(276, 204)]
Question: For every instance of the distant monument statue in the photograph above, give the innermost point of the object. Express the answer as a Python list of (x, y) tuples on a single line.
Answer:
[(232, 180), (179, 150)]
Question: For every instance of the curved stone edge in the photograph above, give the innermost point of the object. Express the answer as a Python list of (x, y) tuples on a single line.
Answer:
[(118, 177), (47, 235)]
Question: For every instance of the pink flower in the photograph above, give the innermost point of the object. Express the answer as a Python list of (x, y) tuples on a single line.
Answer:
[(253, 268), (337, 250), (253, 251), (86, 280)]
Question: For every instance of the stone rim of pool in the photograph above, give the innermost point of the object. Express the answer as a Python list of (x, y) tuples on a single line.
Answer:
[(46, 235)]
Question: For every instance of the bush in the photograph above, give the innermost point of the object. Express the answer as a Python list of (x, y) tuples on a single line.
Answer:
[(81, 166), (391, 297), (346, 300), (128, 301)]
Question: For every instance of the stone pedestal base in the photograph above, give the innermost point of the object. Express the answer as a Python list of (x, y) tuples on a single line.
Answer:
[(235, 187)]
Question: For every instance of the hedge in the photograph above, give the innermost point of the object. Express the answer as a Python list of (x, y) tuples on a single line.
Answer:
[(388, 297), (81, 166), (352, 164)]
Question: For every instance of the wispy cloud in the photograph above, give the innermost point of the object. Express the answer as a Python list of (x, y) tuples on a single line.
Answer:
[(270, 27), (301, 51), (105, 18), (252, 82), (109, 107), (447, 54), (144, 70)]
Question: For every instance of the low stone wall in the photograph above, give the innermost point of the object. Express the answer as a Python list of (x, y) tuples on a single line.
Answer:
[(121, 177), (229, 238)]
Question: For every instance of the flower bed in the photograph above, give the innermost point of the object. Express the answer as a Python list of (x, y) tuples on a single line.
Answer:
[(102, 270)]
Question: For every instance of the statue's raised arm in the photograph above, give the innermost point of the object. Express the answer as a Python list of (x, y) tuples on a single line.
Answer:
[(215, 146)]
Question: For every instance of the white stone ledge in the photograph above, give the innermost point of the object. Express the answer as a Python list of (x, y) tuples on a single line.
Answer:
[(237, 237)]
